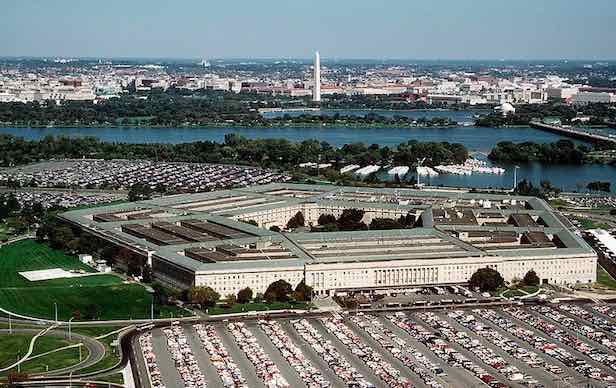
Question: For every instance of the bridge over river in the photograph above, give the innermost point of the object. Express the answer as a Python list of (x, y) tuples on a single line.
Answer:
[(575, 133)]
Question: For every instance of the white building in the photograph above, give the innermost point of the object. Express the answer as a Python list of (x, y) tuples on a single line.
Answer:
[(583, 98), (208, 238)]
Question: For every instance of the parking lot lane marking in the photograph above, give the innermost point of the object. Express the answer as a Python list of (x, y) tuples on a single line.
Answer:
[(248, 370), (170, 375), (456, 377), (346, 353), (571, 350), (203, 358), (545, 357), (536, 373), (385, 354), (468, 354), (314, 358), (285, 368)]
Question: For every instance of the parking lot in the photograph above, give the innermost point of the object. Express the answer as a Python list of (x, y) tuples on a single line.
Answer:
[(552, 345)]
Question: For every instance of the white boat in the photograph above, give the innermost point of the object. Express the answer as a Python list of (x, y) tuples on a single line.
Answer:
[(398, 170)]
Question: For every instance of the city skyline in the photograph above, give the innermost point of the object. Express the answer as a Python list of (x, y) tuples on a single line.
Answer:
[(444, 31)]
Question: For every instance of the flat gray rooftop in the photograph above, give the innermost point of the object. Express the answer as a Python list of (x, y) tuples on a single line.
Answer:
[(218, 208)]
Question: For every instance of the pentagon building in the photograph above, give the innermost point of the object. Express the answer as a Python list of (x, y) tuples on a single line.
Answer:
[(204, 239)]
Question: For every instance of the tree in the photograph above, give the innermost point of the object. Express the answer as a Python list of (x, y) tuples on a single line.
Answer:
[(275, 229), (326, 219), (231, 299), (351, 219), (303, 292), (531, 278), (296, 221), (203, 296), (278, 291), (486, 279), (139, 192), (385, 224), (244, 295)]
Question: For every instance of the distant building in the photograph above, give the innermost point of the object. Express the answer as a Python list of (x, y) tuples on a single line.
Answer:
[(584, 98)]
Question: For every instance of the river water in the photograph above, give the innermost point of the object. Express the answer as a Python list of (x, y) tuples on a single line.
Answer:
[(572, 178)]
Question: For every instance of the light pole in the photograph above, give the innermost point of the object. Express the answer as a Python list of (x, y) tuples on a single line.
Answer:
[(10, 325), (515, 176), (55, 306), (70, 337)]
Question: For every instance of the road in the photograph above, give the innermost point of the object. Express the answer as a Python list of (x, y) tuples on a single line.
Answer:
[(96, 350)]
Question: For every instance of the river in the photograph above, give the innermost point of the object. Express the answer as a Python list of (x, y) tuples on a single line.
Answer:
[(475, 139)]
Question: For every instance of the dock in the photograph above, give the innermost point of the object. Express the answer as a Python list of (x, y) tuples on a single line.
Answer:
[(575, 133)]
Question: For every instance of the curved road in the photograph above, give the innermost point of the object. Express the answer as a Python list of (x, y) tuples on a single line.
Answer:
[(96, 350)]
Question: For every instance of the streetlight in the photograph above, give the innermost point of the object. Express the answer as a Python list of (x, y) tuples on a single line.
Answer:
[(55, 306), (515, 176), (70, 337)]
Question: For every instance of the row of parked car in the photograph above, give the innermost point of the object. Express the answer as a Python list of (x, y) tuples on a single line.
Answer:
[(324, 348), (586, 331), (265, 367), (311, 376), (605, 310), (227, 370), (512, 347), (485, 354), (410, 357), (442, 348), (381, 368), (183, 357), (562, 336), (145, 342), (595, 320)]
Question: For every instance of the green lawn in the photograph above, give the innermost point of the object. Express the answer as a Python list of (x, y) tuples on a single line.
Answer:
[(16, 346), (239, 308), (605, 279), (586, 223), (112, 297), (11, 346), (4, 232)]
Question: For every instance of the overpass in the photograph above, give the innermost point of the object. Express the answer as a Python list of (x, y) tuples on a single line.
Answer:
[(575, 133)]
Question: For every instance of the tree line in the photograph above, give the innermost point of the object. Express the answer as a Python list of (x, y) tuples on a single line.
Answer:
[(235, 149), (560, 152)]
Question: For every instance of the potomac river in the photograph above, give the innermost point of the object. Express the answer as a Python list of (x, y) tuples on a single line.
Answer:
[(475, 139)]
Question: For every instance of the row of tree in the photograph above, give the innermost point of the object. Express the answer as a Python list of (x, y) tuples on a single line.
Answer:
[(280, 291), (560, 152), (489, 279), (236, 149)]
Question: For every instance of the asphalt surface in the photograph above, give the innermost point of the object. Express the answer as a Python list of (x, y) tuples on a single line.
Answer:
[(170, 376), (580, 380), (248, 370), (203, 358), (454, 377), (355, 361)]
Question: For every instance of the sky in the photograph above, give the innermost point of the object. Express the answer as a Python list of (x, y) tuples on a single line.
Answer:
[(376, 29)]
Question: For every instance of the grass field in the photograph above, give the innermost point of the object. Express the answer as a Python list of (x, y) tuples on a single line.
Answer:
[(4, 232), (105, 297), (605, 279), (16, 346)]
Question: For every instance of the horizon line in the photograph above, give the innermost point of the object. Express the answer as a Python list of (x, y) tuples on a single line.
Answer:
[(307, 58)]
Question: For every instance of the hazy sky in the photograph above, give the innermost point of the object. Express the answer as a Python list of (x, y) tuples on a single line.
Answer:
[(426, 29)]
